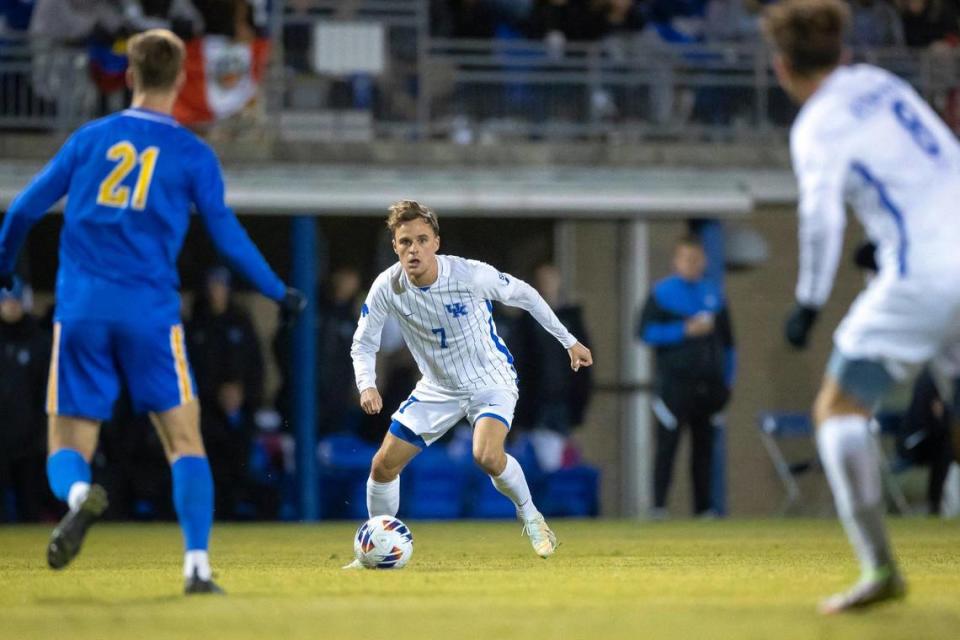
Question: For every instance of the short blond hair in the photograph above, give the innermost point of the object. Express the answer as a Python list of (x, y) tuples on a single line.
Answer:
[(809, 34), (156, 57), (408, 210)]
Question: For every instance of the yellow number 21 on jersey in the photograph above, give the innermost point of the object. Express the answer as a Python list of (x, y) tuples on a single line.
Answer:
[(112, 193)]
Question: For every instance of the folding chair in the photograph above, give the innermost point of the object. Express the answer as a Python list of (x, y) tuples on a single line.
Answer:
[(775, 426)]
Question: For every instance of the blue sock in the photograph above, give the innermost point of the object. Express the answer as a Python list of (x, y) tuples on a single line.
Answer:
[(193, 500), (64, 468)]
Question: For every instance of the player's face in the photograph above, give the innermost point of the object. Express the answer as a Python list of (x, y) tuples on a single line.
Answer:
[(689, 262), (416, 245)]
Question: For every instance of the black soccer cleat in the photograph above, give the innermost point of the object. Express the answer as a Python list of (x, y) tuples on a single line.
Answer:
[(196, 585), (67, 537)]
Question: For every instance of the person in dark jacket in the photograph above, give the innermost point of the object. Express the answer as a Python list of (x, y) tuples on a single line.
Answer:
[(685, 320), (223, 345), (24, 356), (553, 399)]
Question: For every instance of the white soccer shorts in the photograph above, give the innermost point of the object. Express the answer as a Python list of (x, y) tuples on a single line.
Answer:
[(904, 323), (431, 411)]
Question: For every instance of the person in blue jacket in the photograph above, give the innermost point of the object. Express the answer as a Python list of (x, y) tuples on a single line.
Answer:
[(685, 320), (130, 180)]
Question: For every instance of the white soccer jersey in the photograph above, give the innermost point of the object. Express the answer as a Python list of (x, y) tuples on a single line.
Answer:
[(449, 326), (867, 138)]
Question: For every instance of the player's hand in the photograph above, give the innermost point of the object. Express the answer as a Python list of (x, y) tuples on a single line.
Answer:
[(798, 325), (698, 325), (292, 305), (580, 356), (371, 402)]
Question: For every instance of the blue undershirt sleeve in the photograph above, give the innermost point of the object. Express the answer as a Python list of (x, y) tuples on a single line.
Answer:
[(228, 235), (46, 188)]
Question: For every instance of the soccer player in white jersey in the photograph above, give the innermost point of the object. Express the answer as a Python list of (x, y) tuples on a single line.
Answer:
[(864, 136), (443, 305)]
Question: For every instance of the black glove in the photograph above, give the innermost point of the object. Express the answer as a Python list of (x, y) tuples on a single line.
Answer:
[(799, 323), (293, 303), (6, 281)]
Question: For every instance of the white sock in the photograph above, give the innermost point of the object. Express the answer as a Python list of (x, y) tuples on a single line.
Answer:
[(197, 561), (513, 484), (78, 493), (850, 460), (383, 498)]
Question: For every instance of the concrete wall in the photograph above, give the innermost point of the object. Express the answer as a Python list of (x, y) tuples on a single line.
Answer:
[(771, 375)]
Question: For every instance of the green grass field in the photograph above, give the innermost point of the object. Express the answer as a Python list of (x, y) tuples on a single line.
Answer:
[(610, 579)]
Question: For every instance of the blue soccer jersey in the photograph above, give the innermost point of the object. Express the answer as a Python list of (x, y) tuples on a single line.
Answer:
[(131, 180)]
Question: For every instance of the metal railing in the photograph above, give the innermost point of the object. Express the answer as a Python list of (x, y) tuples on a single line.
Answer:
[(43, 86), (627, 88)]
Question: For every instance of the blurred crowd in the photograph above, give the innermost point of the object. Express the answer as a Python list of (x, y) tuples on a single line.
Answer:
[(245, 427), (227, 52), (876, 23)]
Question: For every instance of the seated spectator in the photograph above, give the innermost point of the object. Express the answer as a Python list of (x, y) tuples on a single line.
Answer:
[(24, 358), (228, 431), (223, 345), (15, 16), (875, 23), (339, 310), (929, 22), (553, 399), (732, 21), (224, 69)]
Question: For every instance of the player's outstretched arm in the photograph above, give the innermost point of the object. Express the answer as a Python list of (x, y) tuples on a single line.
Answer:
[(493, 285), (231, 239), (44, 190)]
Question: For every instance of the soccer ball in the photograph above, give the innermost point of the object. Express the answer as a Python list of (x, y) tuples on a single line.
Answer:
[(383, 542)]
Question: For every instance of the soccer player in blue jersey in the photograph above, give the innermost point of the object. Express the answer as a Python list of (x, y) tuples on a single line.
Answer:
[(131, 179)]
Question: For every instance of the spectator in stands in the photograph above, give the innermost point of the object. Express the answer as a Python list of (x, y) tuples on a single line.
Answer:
[(582, 20), (228, 431), (929, 22), (339, 310), (875, 23), (465, 18), (223, 346), (224, 69), (15, 16), (24, 357), (553, 399), (732, 21), (685, 320)]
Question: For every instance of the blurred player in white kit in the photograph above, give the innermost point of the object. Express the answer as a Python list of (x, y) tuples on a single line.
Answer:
[(863, 136), (444, 307)]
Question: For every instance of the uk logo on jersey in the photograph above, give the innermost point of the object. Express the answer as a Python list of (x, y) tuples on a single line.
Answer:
[(457, 309)]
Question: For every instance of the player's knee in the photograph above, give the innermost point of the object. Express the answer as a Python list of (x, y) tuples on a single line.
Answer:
[(186, 442), (491, 459), (381, 470)]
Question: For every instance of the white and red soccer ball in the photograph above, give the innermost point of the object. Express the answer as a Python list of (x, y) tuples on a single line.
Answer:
[(383, 542)]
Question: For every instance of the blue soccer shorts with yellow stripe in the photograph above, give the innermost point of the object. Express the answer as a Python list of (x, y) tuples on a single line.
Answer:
[(91, 359)]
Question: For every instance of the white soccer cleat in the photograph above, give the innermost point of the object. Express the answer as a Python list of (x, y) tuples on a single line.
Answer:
[(353, 566), (543, 540)]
